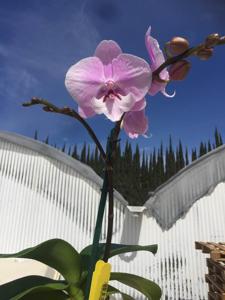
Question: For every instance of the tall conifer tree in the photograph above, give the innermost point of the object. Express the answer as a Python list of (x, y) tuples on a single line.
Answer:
[(74, 153), (186, 157), (47, 140), (69, 151), (218, 138), (83, 153), (181, 155), (64, 147), (171, 160), (209, 146), (177, 160), (194, 154), (160, 161), (36, 135), (88, 155)]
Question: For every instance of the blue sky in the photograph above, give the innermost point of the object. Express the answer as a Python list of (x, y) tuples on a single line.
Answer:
[(39, 40)]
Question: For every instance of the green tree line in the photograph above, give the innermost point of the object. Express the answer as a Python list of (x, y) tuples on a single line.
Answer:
[(136, 172)]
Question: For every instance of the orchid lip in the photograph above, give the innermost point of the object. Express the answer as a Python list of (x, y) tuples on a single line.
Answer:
[(110, 87), (110, 95)]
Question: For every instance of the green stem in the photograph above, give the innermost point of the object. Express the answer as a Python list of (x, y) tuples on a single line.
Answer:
[(110, 156), (98, 226), (97, 233), (110, 216), (107, 187)]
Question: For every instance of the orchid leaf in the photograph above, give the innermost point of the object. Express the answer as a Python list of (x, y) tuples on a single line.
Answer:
[(46, 295), (112, 290), (25, 286), (116, 249), (57, 254), (145, 286)]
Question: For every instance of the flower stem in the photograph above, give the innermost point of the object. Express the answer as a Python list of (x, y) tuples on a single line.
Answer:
[(49, 107), (97, 233), (174, 59), (110, 216), (107, 187), (185, 54), (110, 156)]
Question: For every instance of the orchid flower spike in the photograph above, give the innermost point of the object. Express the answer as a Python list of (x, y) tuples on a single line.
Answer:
[(156, 60), (109, 83)]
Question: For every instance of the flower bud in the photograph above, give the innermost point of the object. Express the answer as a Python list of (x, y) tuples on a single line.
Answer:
[(179, 70), (212, 40), (205, 53), (177, 45), (222, 40)]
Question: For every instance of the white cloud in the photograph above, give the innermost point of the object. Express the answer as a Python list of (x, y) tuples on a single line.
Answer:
[(39, 45), (47, 43), (16, 83)]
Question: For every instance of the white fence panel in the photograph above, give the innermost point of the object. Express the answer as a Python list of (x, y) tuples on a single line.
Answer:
[(46, 194)]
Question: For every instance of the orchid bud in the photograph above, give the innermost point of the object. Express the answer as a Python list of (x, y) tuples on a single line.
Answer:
[(179, 70), (221, 40), (177, 45), (205, 53), (212, 40)]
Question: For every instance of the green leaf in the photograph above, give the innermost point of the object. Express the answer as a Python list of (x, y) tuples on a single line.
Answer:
[(47, 295), (75, 293), (115, 250), (112, 290), (57, 254), (147, 287), (18, 288), (119, 249)]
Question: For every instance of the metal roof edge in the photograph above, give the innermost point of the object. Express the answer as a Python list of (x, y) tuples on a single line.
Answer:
[(183, 172), (49, 151)]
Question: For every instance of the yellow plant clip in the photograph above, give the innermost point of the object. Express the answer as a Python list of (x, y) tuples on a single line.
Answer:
[(100, 279)]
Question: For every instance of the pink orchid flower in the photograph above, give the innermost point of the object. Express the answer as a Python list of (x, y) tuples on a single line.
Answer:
[(156, 58), (110, 82), (135, 123)]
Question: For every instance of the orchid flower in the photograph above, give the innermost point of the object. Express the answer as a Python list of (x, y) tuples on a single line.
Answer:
[(156, 59), (135, 123), (110, 82)]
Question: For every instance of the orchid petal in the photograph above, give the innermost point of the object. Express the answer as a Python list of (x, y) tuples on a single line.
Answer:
[(168, 95), (113, 108), (86, 111), (106, 51), (154, 51), (160, 87), (114, 111), (84, 80), (133, 135), (139, 105), (99, 106), (135, 123), (109, 108), (156, 87), (126, 103), (132, 74), (157, 59)]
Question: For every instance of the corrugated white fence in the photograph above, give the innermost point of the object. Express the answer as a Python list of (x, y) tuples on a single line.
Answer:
[(46, 194)]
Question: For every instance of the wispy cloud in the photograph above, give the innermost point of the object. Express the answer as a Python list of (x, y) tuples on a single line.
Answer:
[(16, 83), (37, 46), (45, 43)]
